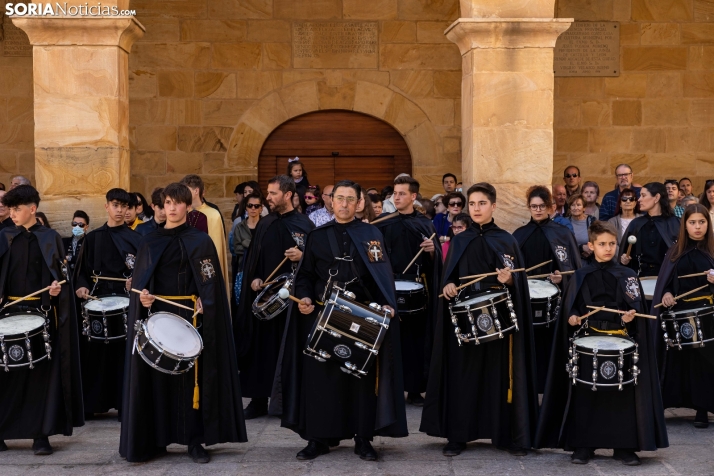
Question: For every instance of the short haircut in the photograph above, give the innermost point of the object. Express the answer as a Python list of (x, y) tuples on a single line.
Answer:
[(133, 200), (591, 184), (349, 184), (672, 182), (375, 197), (156, 197), (623, 165), (413, 183), (683, 179), (598, 228), (485, 188), (574, 198), (23, 180), (81, 214), (542, 192), (178, 192), (448, 175), (447, 197), (118, 195), (572, 167), (194, 181), (285, 184), (21, 195), (239, 188)]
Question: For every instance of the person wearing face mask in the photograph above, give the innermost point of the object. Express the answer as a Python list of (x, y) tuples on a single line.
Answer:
[(73, 244), (5, 219), (159, 214)]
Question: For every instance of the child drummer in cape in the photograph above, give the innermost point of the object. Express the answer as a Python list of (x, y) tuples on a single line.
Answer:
[(576, 418)]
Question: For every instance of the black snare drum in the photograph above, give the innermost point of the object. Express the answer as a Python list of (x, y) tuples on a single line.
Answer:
[(24, 340), (488, 316), (105, 319), (603, 362), (688, 329), (348, 333), (411, 296), (269, 304), (545, 301)]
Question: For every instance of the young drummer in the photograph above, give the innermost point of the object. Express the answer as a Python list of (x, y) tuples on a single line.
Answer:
[(109, 252), (576, 417), (202, 406), (46, 400)]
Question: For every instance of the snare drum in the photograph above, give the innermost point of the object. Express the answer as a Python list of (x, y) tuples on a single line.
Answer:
[(689, 329), (269, 304), (603, 362), (648, 286), (24, 340), (411, 296), (167, 342), (105, 320), (545, 301), (488, 316), (348, 333)]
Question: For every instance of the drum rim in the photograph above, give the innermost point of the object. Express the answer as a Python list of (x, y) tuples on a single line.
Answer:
[(31, 333), (89, 302), (420, 286), (675, 315), (141, 348), (257, 309), (27, 364), (490, 337), (461, 306), (598, 384), (605, 352), (150, 339)]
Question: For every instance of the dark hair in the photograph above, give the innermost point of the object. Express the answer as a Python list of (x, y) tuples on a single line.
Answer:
[(592, 184), (429, 208), (375, 198), (349, 184), (684, 241), (542, 192), (45, 221), (118, 195), (627, 191), (21, 195), (133, 200), (404, 179), (703, 198), (240, 188), (571, 167), (293, 164), (446, 198), (464, 218), (156, 197), (146, 209), (254, 185), (448, 175), (672, 182), (2, 186), (315, 189), (285, 183), (178, 192), (194, 181), (599, 227), (244, 204), (388, 190), (81, 214), (485, 188), (368, 210), (657, 187), (684, 178)]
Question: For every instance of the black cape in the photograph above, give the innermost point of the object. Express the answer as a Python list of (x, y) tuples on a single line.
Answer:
[(125, 240), (651, 429), (147, 227), (65, 347), (524, 411), (391, 414), (667, 228), (221, 402)]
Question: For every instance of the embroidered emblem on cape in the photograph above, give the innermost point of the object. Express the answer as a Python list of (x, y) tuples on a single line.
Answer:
[(130, 260), (686, 330), (342, 351), (608, 370), (561, 253), (97, 327), (508, 261), (207, 271), (16, 353), (374, 251), (632, 288), (299, 239), (484, 322)]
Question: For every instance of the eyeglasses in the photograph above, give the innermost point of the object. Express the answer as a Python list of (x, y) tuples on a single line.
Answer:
[(458, 227), (623, 175), (628, 199), (538, 207), (341, 199), (455, 204), (74, 223), (571, 175), (310, 197), (254, 205)]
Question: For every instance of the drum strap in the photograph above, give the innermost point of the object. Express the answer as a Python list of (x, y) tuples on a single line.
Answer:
[(709, 298), (510, 369), (618, 332), (15, 298)]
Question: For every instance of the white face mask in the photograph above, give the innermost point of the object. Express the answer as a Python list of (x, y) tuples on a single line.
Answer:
[(78, 231)]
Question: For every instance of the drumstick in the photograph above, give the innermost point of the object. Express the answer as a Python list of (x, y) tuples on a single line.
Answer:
[(11, 303), (111, 279), (490, 274), (590, 313), (166, 301), (703, 273), (417, 255), (546, 275), (467, 284), (616, 311), (686, 294), (276, 270), (92, 297), (284, 293), (538, 265), (631, 240), (386, 217)]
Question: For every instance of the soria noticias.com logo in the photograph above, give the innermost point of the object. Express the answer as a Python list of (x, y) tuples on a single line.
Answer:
[(62, 9)]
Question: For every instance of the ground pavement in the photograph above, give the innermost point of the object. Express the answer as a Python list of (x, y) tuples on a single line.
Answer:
[(93, 450)]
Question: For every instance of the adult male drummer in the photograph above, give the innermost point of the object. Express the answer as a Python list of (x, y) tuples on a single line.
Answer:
[(180, 264), (277, 245), (46, 400), (406, 235), (319, 401), (108, 252)]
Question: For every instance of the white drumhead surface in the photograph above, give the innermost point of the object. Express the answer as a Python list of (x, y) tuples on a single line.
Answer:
[(20, 324), (540, 289), (108, 303), (604, 343), (648, 286), (174, 334), (478, 299), (408, 286)]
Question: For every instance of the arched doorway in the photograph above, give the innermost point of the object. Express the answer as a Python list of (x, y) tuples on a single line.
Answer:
[(336, 145)]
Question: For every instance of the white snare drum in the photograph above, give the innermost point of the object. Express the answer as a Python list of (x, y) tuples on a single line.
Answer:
[(167, 342), (24, 340), (411, 296), (105, 319), (545, 301), (648, 286)]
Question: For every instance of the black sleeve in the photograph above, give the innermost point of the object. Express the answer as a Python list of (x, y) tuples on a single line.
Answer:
[(84, 264), (306, 275)]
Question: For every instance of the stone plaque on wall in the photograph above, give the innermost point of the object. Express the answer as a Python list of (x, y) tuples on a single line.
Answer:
[(14, 41), (588, 48), (335, 44)]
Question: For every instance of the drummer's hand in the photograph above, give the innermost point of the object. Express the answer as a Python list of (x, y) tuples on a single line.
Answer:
[(82, 293), (628, 316), (710, 276), (146, 299), (668, 300), (574, 320), (55, 288), (450, 291), (199, 306), (306, 306), (294, 254), (505, 276), (390, 309), (128, 284), (556, 277), (256, 284), (428, 245), (624, 259)]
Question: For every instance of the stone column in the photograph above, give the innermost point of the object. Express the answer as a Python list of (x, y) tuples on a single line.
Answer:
[(507, 97), (81, 101)]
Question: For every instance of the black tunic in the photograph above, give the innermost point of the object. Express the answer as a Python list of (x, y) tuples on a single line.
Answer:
[(654, 237)]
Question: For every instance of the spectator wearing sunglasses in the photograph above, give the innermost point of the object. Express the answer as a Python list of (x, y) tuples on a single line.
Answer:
[(243, 233), (628, 208), (571, 177), (454, 203), (313, 199)]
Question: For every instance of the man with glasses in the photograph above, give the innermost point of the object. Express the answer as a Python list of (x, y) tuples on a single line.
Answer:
[(623, 172), (323, 215), (672, 187), (571, 177)]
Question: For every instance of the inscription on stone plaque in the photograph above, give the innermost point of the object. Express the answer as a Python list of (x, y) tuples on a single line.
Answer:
[(14, 41), (588, 49), (335, 44)]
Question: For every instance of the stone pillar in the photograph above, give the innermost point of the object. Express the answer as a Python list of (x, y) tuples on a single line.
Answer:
[(507, 97), (81, 101)]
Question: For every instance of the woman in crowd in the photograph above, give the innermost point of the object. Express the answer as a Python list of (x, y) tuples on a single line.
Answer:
[(707, 198), (458, 225), (627, 210), (243, 233), (376, 200), (591, 192), (313, 199), (143, 210), (581, 221), (439, 206), (454, 203), (365, 212), (42, 219)]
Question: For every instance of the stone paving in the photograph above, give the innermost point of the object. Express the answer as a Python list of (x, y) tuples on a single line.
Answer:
[(271, 451)]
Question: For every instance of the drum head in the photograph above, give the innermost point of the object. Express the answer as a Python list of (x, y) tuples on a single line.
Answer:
[(107, 303), (481, 298), (604, 343), (174, 334), (648, 286), (408, 286), (20, 324), (540, 289)]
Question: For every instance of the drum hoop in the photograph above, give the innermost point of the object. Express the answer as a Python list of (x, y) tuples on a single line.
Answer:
[(549, 321), (31, 333), (17, 337), (687, 313), (489, 337), (140, 348), (590, 384), (150, 339), (462, 307), (26, 364), (107, 311)]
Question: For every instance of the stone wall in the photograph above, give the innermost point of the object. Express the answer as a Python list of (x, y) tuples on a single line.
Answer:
[(658, 115)]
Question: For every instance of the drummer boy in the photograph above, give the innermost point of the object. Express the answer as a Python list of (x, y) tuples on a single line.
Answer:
[(626, 421)]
